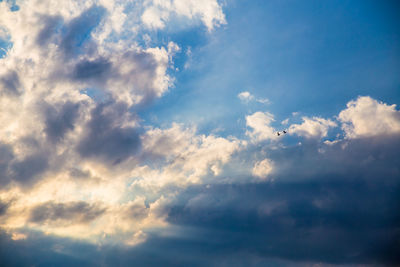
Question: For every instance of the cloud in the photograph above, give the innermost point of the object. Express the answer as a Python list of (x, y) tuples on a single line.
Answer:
[(78, 29), (10, 84), (70, 89), (157, 13), (28, 169), (366, 117), (262, 168), (185, 157), (106, 136), (363, 117), (3, 207), (261, 130), (315, 197), (245, 96), (92, 69), (59, 121), (137, 211), (51, 25), (6, 156), (139, 75), (314, 127), (67, 213)]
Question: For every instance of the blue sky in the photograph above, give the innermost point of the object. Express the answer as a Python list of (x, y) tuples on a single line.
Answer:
[(151, 133), (306, 57)]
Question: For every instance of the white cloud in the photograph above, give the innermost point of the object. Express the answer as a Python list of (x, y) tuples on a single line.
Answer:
[(263, 168), (188, 157), (261, 129), (366, 117), (264, 101), (314, 127), (158, 12), (18, 236), (245, 96)]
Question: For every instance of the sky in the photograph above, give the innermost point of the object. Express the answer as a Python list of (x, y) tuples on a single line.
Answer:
[(145, 133)]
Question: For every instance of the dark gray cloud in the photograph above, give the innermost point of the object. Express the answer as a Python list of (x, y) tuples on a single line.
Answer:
[(45, 250), (375, 159), (345, 212), (336, 221), (6, 156), (78, 30), (71, 212), (339, 206), (10, 84), (105, 138), (51, 26), (4, 205), (41, 250), (59, 120), (137, 212), (92, 69), (27, 170), (80, 174)]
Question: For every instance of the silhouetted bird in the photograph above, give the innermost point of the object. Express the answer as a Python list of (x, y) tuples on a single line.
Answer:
[(284, 132), (278, 133)]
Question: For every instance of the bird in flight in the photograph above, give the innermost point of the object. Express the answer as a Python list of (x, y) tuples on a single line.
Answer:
[(283, 132)]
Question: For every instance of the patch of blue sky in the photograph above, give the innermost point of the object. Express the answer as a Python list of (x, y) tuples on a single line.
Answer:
[(5, 46), (96, 94), (12, 4), (307, 56)]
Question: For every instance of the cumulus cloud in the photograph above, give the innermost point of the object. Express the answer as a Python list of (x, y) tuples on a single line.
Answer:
[(188, 157), (262, 168), (314, 127), (260, 124), (70, 138), (366, 117)]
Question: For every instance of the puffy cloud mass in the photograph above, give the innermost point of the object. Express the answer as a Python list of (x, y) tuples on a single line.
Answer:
[(260, 124), (312, 127), (366, 117), (71, 143), (262, 168)]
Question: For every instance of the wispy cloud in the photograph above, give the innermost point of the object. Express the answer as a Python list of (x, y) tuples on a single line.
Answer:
[(247, 97)]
